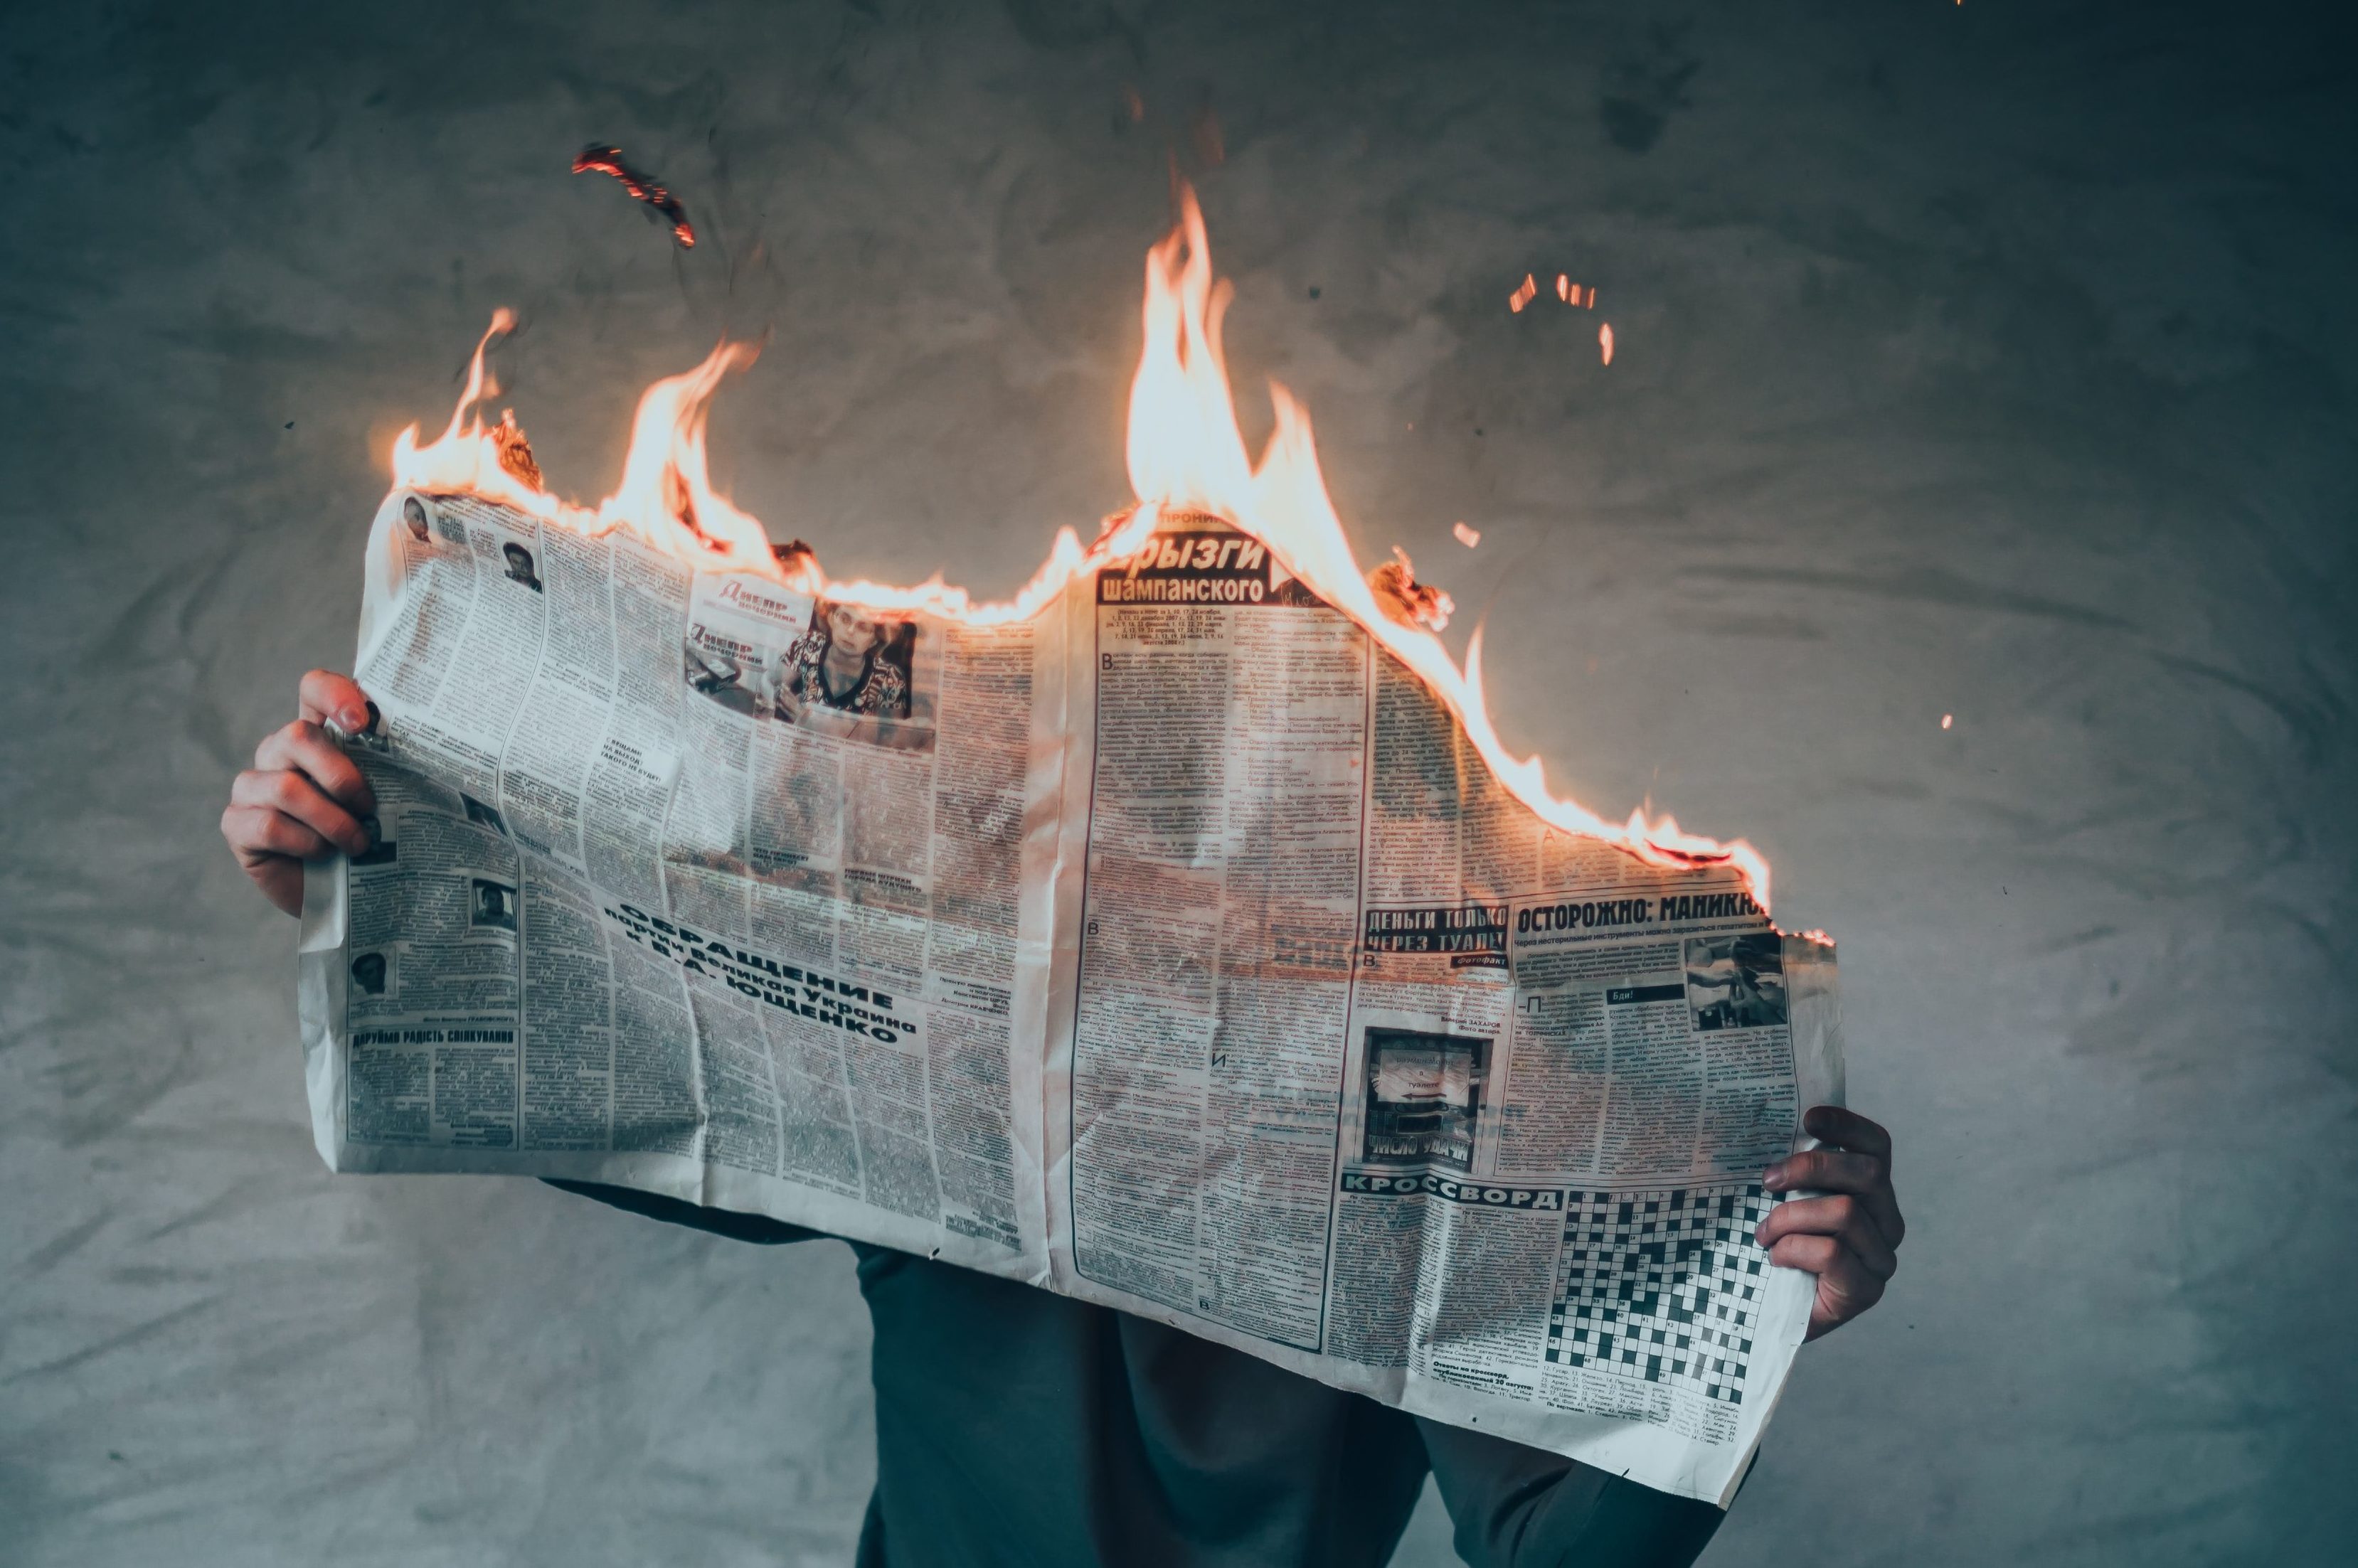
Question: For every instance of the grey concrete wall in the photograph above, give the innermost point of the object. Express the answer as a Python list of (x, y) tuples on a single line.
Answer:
[(1992, 360)]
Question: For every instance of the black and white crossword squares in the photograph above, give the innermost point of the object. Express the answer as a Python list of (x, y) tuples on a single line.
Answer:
[(1664, 1284)]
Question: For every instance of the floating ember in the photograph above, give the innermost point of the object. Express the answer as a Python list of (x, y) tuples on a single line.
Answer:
[(1527, 291), (1185, 454), (515, 452), (1469, 537), (643, 188), (1407, 600)]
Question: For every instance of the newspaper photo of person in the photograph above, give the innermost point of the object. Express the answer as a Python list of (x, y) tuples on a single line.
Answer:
[(413, 515), (368, 973), (1736, 982), (1424, 1096), (492, 907), (852, 674), (382, 850), (484, 816), (520, 568)]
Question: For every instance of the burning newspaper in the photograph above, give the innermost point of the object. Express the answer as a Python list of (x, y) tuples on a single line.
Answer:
[(1176, 936)]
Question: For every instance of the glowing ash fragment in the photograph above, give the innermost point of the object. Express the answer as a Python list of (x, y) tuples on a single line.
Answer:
[(643, 188), (515, 452), (1407, 600)]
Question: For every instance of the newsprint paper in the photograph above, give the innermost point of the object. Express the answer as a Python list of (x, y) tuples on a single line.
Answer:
[(1171, 950)]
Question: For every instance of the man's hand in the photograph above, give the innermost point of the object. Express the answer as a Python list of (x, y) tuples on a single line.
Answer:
[(303, 799), (1849, 1238)]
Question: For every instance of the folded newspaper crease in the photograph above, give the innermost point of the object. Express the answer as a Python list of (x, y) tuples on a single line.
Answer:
[(1169, 950)]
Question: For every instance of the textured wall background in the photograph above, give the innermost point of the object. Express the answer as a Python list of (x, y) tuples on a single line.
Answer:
[(1992, 360)]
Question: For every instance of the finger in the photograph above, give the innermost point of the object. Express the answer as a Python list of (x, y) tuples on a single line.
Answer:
[(1837, 1268), (279, 876), (324, 694), (260, 834), (1848, 1129), (306, 748), (291, 794), (281, 882), (1845, 1288), (1842, 1217), (1828, 1170), (1844, 1291), (1837, 1171)]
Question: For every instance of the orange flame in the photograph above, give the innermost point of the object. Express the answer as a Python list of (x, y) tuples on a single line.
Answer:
[(664, 475), (1525, 292), (465, 457), (1185, 453)]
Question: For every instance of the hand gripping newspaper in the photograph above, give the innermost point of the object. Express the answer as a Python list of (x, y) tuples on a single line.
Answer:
[(1171, 949)]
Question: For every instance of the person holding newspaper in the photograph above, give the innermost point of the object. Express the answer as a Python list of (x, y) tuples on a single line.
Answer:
[(1043, 1430)]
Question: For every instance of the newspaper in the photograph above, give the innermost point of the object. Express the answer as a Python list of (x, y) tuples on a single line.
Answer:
[(1171, 949)]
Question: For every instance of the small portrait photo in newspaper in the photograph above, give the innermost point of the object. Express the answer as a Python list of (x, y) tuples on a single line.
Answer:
[(369, 974), (521, 568), (492, 906), (860, 675), (1424, 1097), (382, 850), (1736, 982)]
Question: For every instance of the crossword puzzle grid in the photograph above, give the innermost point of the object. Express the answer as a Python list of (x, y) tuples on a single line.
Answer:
[(1661, 1284)]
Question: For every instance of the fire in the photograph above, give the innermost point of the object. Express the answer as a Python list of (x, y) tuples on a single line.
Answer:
[(1185, 453)]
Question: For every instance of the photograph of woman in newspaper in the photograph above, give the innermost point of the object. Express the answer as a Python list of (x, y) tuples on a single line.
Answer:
[(837, 669), (852, 675)]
